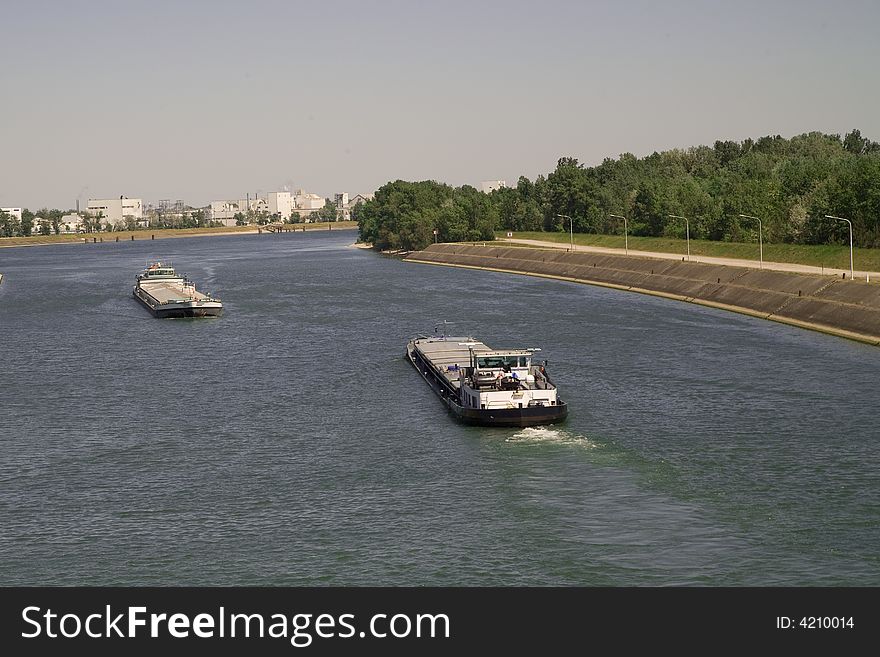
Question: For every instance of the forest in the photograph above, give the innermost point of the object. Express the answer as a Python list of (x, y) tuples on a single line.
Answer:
[(790, 185)]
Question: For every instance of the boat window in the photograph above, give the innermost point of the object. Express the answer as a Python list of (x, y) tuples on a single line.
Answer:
[(488, 362)]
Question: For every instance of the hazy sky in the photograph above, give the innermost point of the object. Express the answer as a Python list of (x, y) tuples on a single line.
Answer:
[(211, 100)]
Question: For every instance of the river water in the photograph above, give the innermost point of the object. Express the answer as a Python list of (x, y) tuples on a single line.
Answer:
[(290, 443)]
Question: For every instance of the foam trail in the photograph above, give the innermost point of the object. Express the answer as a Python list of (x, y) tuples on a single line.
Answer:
[(549, 435)]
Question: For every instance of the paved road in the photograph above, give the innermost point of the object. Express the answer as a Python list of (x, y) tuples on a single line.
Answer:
[(733, 262)]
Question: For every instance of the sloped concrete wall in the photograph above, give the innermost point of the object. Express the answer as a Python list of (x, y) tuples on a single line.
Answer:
[(848, 308)]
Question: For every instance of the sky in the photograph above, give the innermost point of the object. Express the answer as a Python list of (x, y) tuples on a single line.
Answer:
[(204, 101)]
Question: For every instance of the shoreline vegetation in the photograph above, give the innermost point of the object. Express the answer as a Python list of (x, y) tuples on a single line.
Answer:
[(165, 233), (806, 199)]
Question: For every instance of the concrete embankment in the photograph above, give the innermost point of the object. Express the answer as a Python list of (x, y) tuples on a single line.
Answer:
[(842, 307)]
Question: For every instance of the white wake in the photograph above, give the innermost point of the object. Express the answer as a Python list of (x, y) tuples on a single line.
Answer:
[(550, 435)]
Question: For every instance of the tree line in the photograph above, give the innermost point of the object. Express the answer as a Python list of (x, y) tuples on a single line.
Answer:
[(42, 222), (50, 222), (789, 184), (404, 215)]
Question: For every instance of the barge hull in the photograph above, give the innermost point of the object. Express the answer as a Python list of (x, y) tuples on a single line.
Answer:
[(180, 311), (511, 417)]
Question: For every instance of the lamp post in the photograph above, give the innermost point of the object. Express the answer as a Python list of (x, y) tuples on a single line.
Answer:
[(760, 237), (687, 233), (625, 239), (571, 228), (828, 216)]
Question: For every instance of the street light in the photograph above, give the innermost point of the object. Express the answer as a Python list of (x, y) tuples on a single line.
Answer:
[(828, 216), (687, 229), (625, 240), (571, 226), (760, 239)]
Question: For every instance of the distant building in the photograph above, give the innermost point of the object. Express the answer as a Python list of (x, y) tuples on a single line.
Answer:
[(491, 185), (357, 199), (167, 213), (115, 210), (350, 204), (225, 211), (280, 205), (283, 205), (71, 223), (15, 212), (306, 201), (251, 208), (259, 206), (171, 214)]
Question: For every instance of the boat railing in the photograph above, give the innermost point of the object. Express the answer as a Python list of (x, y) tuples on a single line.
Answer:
[(497, 380)]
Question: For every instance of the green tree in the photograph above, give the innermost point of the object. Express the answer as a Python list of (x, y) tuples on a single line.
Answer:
[(55, 217), (789, 183), (404, 215), (27, 222), (650, 211), (727, 151), (854, 143), (329, 212), (10, 226)]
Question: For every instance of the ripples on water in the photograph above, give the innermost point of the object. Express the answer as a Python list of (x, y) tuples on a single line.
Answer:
[(289, 442)]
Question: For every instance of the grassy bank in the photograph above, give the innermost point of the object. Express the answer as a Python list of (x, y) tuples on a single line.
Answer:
[(162, 233), (825, 255)]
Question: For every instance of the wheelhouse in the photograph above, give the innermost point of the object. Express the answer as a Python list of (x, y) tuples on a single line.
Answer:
[(158, 270)]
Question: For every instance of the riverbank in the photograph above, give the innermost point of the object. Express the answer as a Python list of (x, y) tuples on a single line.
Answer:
[(866, 275), (847, 308), (164, 233), (827, 258)]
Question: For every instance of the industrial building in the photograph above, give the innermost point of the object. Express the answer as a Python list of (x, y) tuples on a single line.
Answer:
[(116, 210)]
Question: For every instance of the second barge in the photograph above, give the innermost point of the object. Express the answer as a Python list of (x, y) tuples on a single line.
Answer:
[(486, 387)]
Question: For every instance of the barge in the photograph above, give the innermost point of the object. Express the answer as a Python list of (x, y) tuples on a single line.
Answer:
[(167, 294), (484, 386)]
